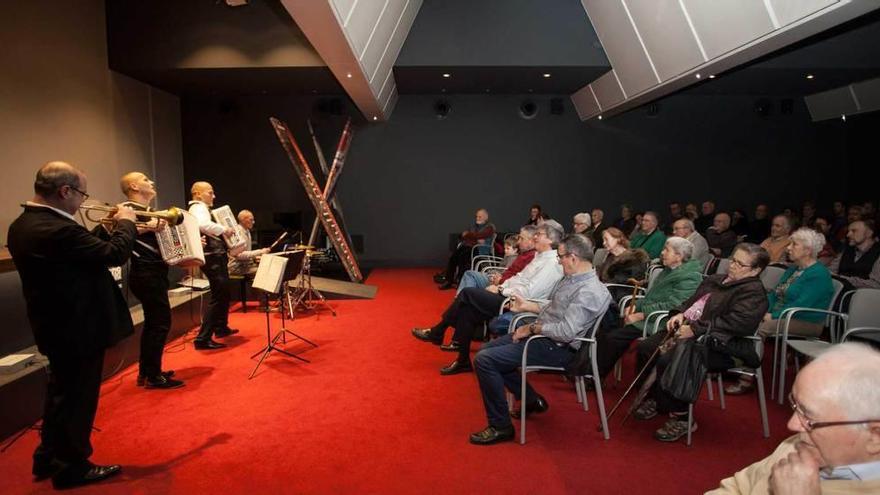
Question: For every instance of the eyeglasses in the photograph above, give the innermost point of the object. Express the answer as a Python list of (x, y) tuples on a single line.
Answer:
[(560, 256), (84, 195), (734, 261), (811, 425)]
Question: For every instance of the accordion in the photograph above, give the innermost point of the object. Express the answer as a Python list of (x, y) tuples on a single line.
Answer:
[(181, 245), (224, 217)]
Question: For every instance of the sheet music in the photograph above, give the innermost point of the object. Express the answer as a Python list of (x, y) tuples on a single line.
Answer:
[(270, 273)]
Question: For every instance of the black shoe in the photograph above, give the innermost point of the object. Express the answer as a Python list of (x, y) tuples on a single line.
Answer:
[(207, 345), (493, 435), (456, 368), (161, 381), (540, 405), (439, 278), (44, 468), (446, 286), (226, 332), (452, 347), (425, 334), (141, 379), (70, 478)]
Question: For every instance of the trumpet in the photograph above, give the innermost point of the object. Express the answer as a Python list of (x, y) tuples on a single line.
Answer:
[(173, 215)]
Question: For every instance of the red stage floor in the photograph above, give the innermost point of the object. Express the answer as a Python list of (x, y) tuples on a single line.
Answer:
[(371, 414)]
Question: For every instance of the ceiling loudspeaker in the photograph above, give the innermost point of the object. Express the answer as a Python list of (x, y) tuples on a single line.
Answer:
[(763, 107), (442, 109), (528, 109), (652, 109), (557, 107)]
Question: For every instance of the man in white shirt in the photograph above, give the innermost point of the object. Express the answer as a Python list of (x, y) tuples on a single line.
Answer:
[(243, 262), (475, 306), (216, 317)]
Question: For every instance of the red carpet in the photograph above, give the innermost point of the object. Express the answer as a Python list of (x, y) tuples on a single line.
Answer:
[(371, 414)]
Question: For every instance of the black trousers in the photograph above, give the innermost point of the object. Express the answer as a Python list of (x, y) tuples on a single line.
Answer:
[(612, 344), (716, 361), (459, 262), (474, 307), (216, 315), (69, 412), (149, 283)]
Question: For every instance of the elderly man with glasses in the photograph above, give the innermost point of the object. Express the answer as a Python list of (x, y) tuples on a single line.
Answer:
[(835, 405)]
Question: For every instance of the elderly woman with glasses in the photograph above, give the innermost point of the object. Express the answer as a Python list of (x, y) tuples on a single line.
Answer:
[(582, 223), (726, 309), (806, 284)]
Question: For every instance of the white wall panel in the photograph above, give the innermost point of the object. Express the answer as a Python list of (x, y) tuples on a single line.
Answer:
[(667, 36), (621, 44), (361, 23), (343, 8), (788, 11), (393, 44), (585, 103), (381, 35), (723, 25), (607, 90)]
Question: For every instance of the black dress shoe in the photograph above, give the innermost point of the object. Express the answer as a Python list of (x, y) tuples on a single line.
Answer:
[(540, 405), (43, 468), (446, 286), (493, 435), (141, 379), (456, 367), (452, 347), (207, 345), (70, 478), (425, 335), (439, 278), (161, 381), (226, 332)]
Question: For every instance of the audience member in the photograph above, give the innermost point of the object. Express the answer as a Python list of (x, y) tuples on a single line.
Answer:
[(621, 263), (595, 232), (838, 220), (679, 279), (575, 305), (823, 226), (727, 307), (759, 228), (858, 264), (707, 217), (805, 284), (690, 211), (720, 238), (526, 253), (626, 223), (638, 227), (739, 223), (581, 224), (675, 213), (480, 233), (535, 213), (777, 243), (835, 404), (808, 214), (685, 228), (650, 237)]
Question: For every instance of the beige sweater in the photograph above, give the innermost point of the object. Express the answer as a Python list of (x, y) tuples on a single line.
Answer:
[(755, 479)]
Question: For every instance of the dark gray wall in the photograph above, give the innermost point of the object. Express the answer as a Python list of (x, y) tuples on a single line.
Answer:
[(411, 181)]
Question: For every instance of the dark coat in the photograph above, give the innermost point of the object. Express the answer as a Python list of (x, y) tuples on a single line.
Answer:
[(733, 312), (73, 303), (619, 269)]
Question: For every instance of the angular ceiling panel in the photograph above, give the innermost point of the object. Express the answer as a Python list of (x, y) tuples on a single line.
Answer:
[(831, 104), (361, 23), (788, 11), (723, 25), (607, 90), (667, 36), (622, 44), (585, 103)]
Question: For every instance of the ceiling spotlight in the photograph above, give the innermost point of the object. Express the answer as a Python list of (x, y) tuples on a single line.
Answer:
[(810, 76), (348, 75), (843, 117), (546, 75), (698, 75), (443, 90), (375, 118), (487, 90), (711, 76), (447, 75), (600, 117)]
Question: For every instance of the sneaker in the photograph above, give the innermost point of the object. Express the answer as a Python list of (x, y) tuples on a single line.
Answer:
[(646, 410), (674, 429)]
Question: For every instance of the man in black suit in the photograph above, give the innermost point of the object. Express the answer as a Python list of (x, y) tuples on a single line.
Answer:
[(76, 311)]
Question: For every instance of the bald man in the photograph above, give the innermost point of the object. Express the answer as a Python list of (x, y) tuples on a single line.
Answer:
[(835, 406), (244, 262), (216, 318), (76, 312), (148, 280)]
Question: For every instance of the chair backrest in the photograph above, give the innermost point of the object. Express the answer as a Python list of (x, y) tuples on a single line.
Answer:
[(723, 266), (599, 257), (771, 275), (863, 310), (653, 273)]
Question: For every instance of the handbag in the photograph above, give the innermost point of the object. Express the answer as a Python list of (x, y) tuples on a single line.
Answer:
[(684, 376)]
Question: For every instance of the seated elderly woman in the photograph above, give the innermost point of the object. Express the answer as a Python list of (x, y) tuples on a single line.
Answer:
[(679, 279), (581, 224), (621, 263), (806, 284), (726, 308)]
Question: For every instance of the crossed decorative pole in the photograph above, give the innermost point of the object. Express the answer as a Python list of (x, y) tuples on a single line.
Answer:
[(337, 236), (332, 174)]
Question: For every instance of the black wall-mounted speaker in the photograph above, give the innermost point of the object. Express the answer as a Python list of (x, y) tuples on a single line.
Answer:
[(528, 109)]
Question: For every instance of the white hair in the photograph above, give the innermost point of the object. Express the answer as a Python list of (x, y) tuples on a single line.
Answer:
[(681, 246), (809, 238), (855, 386), (583, 218)]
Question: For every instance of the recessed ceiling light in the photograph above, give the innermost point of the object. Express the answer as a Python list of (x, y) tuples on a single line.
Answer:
[(600, 117), (487, 90), (810, 76), (447, 75), (843, 117), (531, 90), (546, 75), (375, 118), (698, 75), (711, 76), (348, 75), (443, 90)]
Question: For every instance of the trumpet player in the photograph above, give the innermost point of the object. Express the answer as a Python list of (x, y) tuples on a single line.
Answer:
[(216, 318), (148, 280), (61, 265)]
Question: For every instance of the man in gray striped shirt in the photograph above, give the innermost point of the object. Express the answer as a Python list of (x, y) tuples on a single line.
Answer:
[(575, 305)]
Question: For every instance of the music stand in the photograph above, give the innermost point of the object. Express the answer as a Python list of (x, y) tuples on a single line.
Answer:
[(270, 281)]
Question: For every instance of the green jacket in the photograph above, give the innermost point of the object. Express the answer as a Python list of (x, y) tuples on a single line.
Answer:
[(652, 244), (813, 289), (671, 288)]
